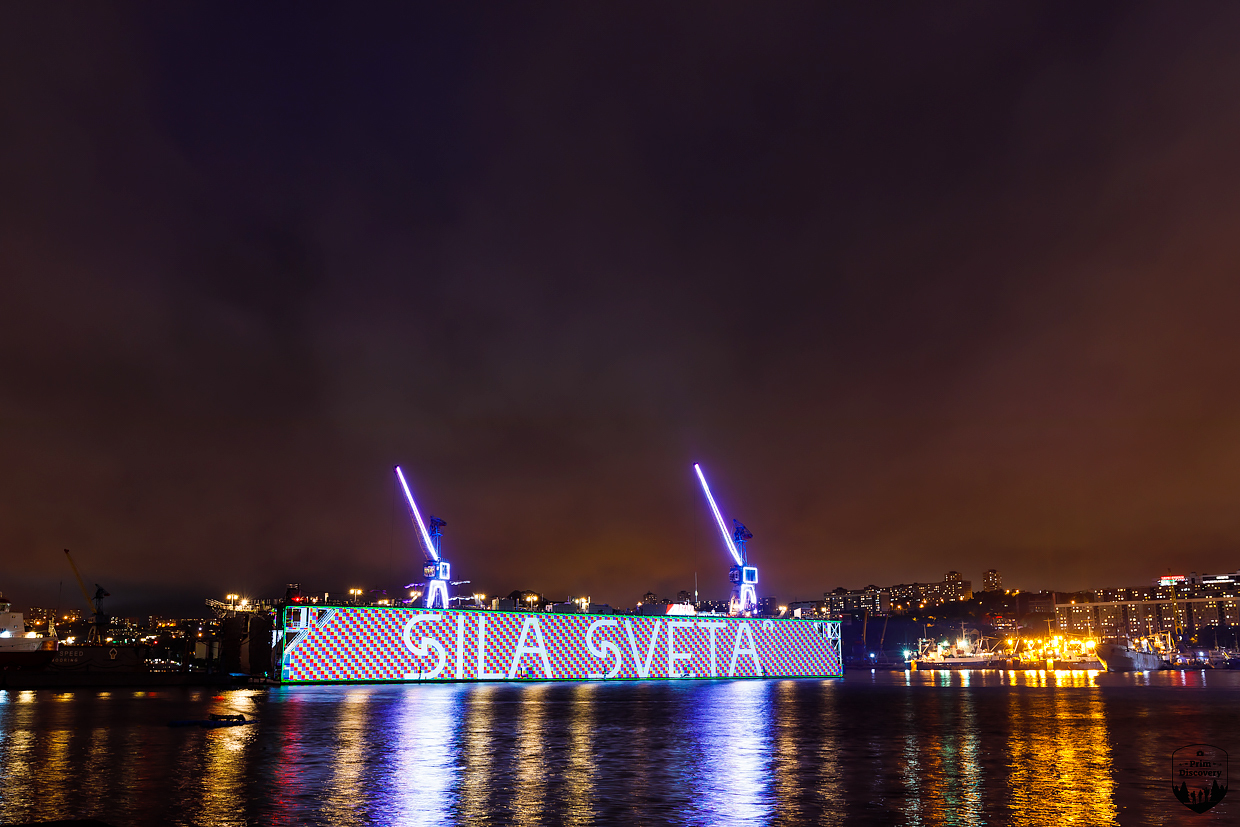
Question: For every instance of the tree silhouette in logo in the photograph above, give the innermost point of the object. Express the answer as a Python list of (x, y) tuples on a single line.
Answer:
[(1200, 799)]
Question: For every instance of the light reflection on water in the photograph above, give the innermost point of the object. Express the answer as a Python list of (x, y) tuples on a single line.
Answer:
[(351, 758), (1060, 758), (478, 751), (422, 786), (826, 785), (530, 754), (925, 748), (736, 753), (579, 772)]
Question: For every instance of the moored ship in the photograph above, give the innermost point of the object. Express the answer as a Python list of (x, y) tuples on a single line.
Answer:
[(1127, 655), (964, 654), (20, 649)]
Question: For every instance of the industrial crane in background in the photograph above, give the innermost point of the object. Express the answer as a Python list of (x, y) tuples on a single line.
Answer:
[(93, 605), (436, 570), (742, 575)]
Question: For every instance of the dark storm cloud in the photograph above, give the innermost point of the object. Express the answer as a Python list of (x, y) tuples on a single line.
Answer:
[(922, 288)]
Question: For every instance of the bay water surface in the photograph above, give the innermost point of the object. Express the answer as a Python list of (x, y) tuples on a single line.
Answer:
[(903, 748)]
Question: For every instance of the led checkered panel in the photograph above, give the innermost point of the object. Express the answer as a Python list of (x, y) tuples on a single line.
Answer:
[(386, 644)]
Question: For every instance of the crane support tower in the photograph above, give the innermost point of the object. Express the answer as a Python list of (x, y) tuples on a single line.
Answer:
[(436, 570), (742, 576), (99, 620)]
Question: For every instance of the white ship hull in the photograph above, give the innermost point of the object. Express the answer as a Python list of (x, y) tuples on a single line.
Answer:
[(955, 663), (19, 650)]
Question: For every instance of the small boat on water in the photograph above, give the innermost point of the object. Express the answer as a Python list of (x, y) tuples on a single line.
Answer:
[(1146, 654), (214, 721), (20, 649)]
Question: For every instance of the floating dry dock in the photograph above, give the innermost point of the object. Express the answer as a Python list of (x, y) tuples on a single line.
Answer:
[(341, 644)]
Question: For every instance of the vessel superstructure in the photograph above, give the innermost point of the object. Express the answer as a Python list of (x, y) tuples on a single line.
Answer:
[(964, 653), (21, 649)]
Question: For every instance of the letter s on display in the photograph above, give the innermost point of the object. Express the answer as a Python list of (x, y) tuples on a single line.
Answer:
[(424, 647), (603, 649)]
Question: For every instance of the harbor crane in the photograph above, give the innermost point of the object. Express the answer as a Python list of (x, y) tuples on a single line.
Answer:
[(742, 575), (94, 604), (436, 569)]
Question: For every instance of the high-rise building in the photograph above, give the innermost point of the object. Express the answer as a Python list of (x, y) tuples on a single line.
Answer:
[(954, 587), (992, 581)]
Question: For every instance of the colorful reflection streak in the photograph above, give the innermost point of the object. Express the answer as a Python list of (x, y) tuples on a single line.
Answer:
[(422, 788), (733, 734), (935, 749)]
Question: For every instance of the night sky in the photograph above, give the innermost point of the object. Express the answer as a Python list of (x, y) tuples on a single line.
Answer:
[(923, 287)]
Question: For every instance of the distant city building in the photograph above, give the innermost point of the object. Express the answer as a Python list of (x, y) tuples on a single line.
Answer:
[(38, 617), (911, 596), (992, 581), (1137, 618), (954, 587), (871, 599), (1217, 583)]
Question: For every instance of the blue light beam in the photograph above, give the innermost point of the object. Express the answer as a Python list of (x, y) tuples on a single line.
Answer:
[(426, 536), (723, 529)]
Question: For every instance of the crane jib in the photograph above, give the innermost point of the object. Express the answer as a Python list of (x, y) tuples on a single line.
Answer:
[(723, 529)]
